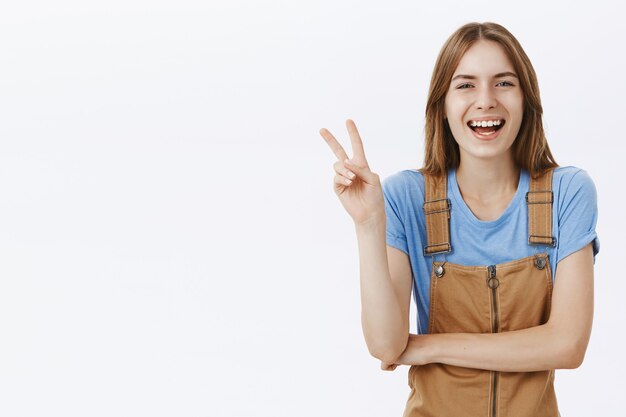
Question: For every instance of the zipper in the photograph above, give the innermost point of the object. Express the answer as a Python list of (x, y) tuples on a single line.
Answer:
[(493, 283)]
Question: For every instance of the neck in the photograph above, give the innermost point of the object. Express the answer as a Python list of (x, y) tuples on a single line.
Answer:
[(486, 180)]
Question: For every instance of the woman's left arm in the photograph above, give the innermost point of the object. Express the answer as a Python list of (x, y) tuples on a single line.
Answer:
[(559, 343)]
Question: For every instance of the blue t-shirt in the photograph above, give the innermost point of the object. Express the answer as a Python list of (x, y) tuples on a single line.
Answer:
[(477, 242)]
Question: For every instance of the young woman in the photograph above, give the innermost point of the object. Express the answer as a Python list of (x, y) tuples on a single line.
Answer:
[(496, 241)]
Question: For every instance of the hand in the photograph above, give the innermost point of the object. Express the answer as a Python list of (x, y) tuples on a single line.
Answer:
[(388, 366), (414, 354), (357, 187), (417, 350)]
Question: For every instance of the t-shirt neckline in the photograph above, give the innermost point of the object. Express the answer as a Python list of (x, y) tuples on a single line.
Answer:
[(457, 200)]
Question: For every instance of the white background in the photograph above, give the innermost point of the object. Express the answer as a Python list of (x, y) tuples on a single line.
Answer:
[(170, 244)]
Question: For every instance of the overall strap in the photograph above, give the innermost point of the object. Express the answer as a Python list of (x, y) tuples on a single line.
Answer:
[(539, 201), (437, 214)]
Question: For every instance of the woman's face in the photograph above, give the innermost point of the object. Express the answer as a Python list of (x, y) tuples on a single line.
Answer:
[(484, 91)]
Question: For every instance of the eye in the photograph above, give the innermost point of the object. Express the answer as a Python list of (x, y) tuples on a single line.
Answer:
[(508, 84), (463, 86)]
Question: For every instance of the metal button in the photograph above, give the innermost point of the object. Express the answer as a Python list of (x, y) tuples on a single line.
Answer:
[(493, 283), (439, 271), (540, 263)]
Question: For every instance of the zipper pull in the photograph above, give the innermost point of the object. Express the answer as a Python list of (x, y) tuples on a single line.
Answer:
[(492, 281)]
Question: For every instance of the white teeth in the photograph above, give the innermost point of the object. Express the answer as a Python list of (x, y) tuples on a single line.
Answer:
[(485, 123)]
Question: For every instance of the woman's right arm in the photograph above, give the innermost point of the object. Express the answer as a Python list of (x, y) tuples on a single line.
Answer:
[(386, 282), (385, 272)]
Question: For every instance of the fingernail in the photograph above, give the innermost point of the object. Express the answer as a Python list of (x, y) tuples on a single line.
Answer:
[(350, 174)]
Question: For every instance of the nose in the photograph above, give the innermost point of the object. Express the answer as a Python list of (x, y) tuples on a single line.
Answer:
[(486, 99)]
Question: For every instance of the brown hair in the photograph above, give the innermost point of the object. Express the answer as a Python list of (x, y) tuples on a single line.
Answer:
[(530, 148)]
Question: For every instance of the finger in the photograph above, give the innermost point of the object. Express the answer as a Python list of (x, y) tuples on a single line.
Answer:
[(388, 366), (363, 172), (337, 149), (341, 180), (340, 168), (357, 144)]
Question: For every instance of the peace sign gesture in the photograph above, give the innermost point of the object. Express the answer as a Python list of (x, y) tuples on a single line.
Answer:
[(357, 187)]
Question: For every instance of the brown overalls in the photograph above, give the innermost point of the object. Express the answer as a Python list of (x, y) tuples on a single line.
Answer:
[(485, 299)]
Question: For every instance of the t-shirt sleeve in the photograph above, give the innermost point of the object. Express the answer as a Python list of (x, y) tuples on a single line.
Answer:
[(394, 192), (577, 217)]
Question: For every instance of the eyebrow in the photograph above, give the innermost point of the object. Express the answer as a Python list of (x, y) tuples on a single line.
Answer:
[(499, 75)]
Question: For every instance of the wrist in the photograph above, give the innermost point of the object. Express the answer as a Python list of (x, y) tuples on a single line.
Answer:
[(373, 223), (421, 349), (432, 348)]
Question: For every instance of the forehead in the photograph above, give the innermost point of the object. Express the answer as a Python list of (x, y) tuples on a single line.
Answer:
[(484, 58)]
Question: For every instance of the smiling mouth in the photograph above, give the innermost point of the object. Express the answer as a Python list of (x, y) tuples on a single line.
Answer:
[(486, 130)]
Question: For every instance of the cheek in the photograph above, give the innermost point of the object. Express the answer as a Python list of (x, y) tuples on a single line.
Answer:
[(453, 109), (515, 104), (456, 112), (451, 103)]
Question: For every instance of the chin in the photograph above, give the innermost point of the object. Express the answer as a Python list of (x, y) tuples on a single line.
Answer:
[(486, 154)]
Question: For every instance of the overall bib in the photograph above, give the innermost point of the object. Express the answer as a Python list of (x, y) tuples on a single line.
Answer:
[(485, 299)]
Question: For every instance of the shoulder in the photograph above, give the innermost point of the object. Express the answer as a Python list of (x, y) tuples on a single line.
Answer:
[(577, 205), (571, 182), (571, 176), (402, 183), (575, 196)]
